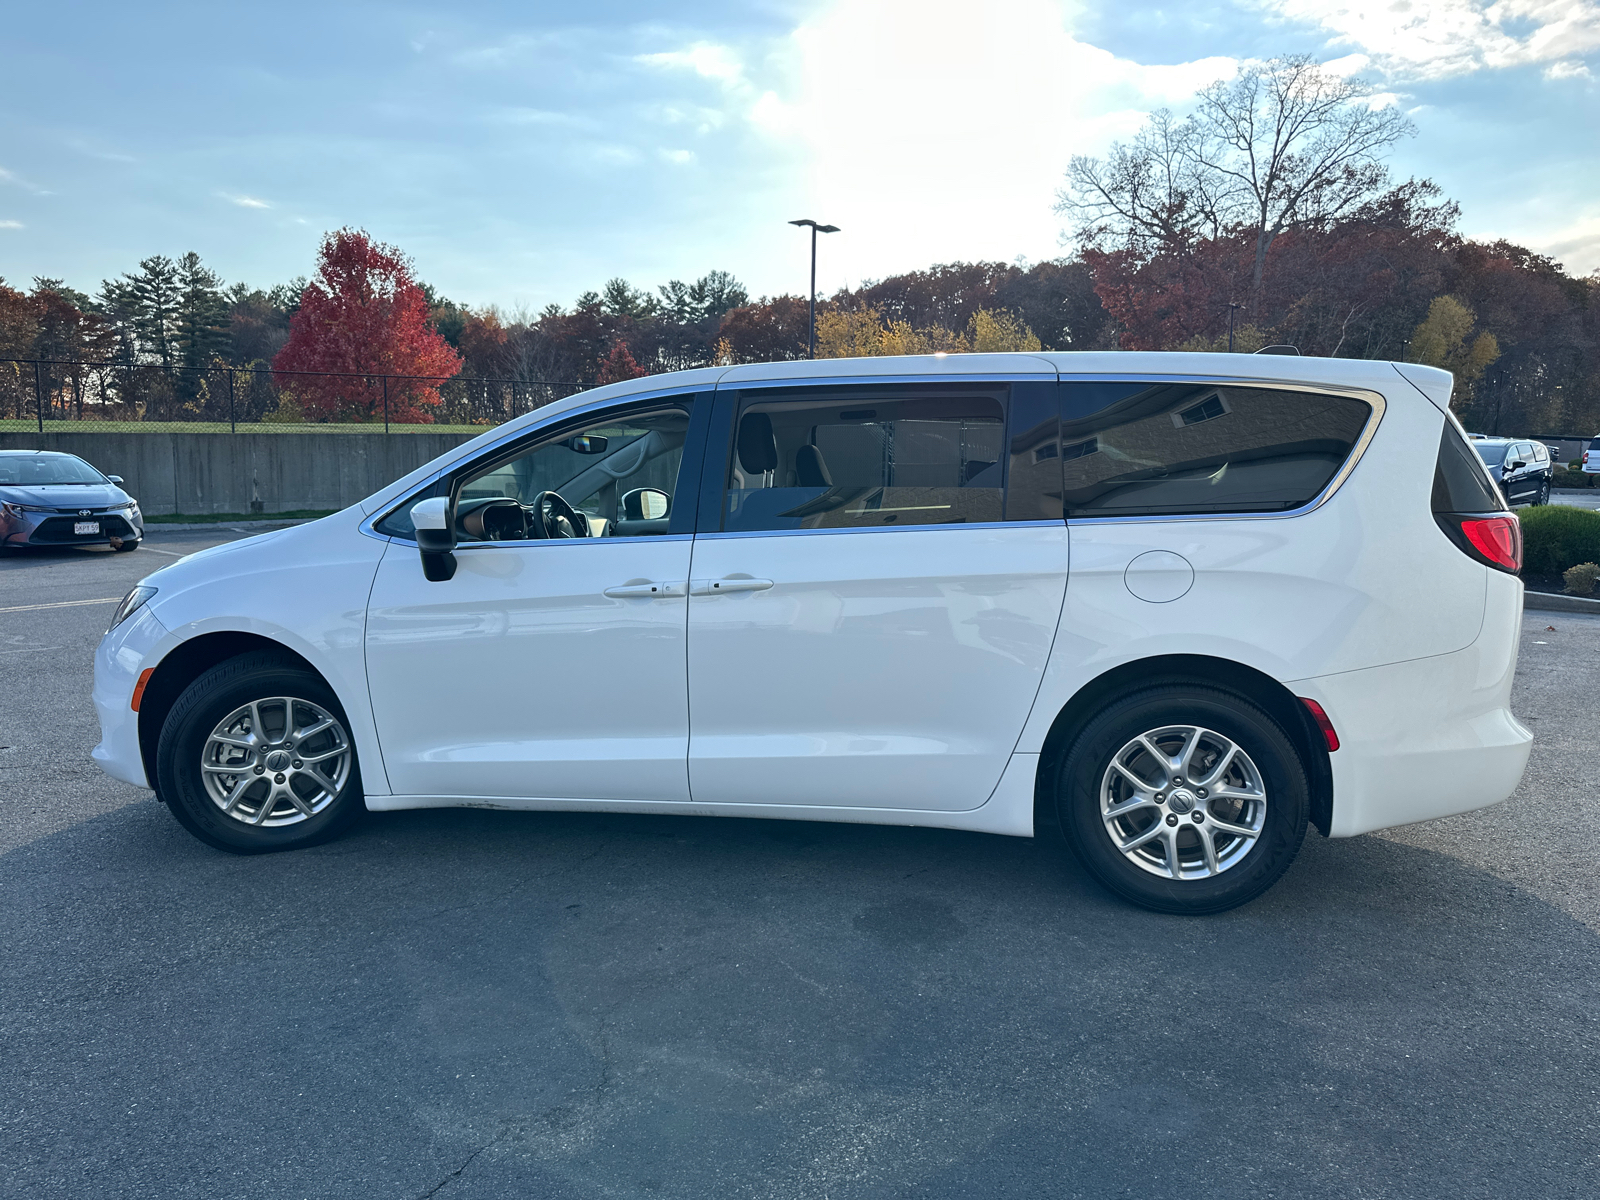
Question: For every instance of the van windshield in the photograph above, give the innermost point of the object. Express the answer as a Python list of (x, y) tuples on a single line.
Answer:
[(1492, 455)]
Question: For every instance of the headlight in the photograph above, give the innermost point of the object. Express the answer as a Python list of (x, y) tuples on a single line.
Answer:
[(131, 603), (16, 510)]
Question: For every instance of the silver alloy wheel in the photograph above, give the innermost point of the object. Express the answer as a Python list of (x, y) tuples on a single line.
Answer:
[(276, 761), (1183, 802)]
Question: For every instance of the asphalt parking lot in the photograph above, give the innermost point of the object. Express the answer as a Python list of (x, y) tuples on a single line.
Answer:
[(473, 1004)]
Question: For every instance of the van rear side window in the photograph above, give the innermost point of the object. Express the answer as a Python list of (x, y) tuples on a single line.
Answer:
[(1135, 449)]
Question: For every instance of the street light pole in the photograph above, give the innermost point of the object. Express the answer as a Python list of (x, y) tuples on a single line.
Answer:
[(1232, 308), (811, 341)]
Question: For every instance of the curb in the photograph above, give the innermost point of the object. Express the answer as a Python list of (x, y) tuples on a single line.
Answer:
[(1553, 602), (237, 526)]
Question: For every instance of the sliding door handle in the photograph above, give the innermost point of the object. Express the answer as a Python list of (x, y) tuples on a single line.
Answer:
[(718, 587), (648, 588)]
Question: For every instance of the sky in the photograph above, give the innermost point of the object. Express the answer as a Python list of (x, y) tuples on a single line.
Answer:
[(523, 153)]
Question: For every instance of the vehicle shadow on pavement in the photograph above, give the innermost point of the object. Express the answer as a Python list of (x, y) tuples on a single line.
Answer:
[(492, 1004)]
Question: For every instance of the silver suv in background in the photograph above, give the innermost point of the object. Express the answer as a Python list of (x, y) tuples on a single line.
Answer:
[(52, 499)]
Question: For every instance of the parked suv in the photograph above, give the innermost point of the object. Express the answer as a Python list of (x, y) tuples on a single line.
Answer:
[(1177, 607), (52, 499), (1591, 457), (1523, 469)]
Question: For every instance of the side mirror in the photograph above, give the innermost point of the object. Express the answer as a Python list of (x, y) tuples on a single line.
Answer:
[(435, 538), (1516, 466), (116, 479), (645, 504)]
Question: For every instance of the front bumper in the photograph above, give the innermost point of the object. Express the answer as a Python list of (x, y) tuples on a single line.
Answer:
[(123, 654), (56, 529)]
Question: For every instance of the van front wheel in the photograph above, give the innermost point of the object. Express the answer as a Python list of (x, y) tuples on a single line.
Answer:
[(1184, 799), (256, 755)]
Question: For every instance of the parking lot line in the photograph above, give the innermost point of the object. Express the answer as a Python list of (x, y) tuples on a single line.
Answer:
[(60, 604)]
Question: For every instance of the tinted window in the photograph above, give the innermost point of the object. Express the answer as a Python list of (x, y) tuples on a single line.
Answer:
[(1133, 449), (867, 458), (1459, 482), (1494, 455)]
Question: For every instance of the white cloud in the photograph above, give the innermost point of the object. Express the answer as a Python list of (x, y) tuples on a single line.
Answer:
[(11, 225), (1567, 69), (678, 158), (245, 201), (1439, 38), (929, 134), (706, 59), (1577, 246)]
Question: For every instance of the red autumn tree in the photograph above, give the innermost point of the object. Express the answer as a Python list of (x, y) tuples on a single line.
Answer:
[(364, 317), (619, 365)]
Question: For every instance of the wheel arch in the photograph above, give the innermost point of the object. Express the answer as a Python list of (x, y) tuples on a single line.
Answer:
[(185, 663), (1244, 681)]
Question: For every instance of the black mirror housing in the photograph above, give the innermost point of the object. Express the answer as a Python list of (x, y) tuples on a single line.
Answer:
[(434, 523)]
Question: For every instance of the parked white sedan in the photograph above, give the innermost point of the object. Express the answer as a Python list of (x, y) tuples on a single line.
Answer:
[(1178, 606)]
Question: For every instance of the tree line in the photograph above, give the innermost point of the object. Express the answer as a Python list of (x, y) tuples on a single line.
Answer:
[(1265, 216)]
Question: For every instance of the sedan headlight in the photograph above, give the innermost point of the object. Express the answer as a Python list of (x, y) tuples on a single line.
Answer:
[(16, 510), (131, 603)]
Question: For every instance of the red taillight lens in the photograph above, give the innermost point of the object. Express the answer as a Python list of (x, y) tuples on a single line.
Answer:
[(1322, 723), (1498, 539)]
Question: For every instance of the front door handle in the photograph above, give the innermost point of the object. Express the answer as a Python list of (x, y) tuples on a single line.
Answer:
[(718, 587), (648, 588)]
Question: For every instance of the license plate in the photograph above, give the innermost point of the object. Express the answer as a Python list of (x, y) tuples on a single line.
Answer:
[(86, 527)]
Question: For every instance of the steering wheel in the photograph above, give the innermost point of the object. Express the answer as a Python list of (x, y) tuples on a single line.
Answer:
[(549, 516)]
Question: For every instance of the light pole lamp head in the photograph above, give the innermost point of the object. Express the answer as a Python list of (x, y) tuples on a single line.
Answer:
[(815, 226)]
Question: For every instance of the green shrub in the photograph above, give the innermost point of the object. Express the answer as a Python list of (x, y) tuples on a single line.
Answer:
[(1580, 579), (1556, 536), (1570, 479)]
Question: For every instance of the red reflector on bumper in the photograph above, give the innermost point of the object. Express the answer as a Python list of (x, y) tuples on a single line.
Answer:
[(138, 688), (1321, 718)]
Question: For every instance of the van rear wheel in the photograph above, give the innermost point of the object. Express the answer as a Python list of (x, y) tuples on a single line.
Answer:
[(256, 755), (1184, 799)]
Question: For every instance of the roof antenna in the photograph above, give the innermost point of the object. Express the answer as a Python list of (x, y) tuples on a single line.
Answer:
[(1294, 350)]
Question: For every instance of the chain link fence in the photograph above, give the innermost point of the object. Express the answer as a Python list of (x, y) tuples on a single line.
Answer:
[(71, 396)]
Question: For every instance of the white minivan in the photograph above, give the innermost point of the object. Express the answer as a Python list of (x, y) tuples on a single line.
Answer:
[(1177, 606)]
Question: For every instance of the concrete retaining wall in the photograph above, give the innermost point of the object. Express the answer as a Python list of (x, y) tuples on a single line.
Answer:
[(246, 472)]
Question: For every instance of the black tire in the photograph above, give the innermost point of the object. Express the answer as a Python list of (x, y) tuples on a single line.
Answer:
[(1282, 826), (1544, 493), (186, 733), (127, 545)]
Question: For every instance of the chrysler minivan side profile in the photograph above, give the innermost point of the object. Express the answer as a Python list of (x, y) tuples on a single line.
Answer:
[(1176, 606)]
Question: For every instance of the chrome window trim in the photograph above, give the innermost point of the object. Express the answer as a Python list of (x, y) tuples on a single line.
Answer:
[(753, 533), (1377, 402), (977, 378)]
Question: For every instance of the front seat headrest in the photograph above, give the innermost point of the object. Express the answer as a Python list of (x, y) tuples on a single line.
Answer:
[(811, 469), (758, 449)]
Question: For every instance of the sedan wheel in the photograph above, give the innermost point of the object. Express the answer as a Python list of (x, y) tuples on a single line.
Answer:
[(1184, 799), (256, 755)]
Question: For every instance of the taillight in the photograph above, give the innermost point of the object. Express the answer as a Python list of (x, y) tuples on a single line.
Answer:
[(1325, 726), (1494, 539)]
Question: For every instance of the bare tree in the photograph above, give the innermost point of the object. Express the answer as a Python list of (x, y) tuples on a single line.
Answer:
[(1283, 144)]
